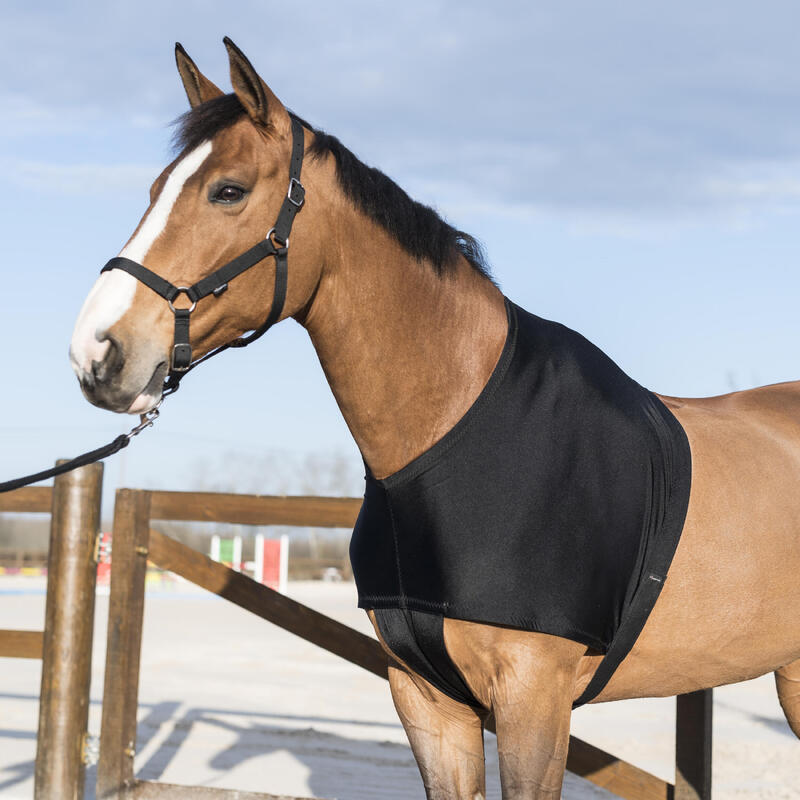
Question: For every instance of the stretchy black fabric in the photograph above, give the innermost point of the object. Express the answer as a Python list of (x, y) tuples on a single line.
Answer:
[(554, 505)]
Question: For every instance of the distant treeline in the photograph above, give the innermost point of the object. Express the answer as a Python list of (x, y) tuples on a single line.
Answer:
[(25, 532), (280, 473), (24, 538)]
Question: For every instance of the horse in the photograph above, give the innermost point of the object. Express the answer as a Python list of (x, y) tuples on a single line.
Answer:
[(409, 329)]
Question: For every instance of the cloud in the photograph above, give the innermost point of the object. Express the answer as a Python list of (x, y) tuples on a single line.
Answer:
[(581, 108), (80, 179), (765, 183)]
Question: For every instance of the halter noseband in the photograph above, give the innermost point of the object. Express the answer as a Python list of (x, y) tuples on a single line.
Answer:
[(275, 243)]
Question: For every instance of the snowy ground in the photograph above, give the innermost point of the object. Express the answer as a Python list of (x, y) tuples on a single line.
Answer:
[(228, 700)]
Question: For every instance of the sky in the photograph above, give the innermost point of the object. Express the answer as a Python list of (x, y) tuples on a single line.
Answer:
[(632, 170)]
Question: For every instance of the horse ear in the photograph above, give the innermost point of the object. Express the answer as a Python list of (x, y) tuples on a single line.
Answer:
[(260, 103), (198, 87)]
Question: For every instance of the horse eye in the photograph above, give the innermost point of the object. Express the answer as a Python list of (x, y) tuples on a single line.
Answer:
[(229, 194)]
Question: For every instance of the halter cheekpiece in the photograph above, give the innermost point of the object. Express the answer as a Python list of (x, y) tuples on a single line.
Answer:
[(275, 243)]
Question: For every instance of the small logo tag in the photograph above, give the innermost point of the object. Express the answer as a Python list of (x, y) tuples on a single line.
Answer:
[(656, 578)]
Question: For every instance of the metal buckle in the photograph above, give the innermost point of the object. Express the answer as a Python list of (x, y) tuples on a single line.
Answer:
[(174, 351), (294, 183), (182, 290)]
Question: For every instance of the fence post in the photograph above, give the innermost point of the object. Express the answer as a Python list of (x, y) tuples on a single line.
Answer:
[(69, 621), (693, 727), (129, 545)]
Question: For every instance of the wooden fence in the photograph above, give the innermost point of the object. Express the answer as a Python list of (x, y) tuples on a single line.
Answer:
[(135, 543), (16, 559), (65, 644)]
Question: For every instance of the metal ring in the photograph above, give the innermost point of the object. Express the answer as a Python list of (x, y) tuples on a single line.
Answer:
[(182, 290), (269, 236)]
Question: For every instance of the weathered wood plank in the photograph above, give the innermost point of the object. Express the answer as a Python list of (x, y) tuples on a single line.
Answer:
[(693, 729), (268, 604), (68, 632), (610, 772), (124, 644), (28, 499), (251, 509), (147, 790), (21, 644), (614, 774)]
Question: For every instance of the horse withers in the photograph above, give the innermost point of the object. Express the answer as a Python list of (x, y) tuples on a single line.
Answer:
[(538, 530)]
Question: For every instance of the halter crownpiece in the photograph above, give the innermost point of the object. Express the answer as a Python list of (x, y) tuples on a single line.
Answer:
[(275, 243)]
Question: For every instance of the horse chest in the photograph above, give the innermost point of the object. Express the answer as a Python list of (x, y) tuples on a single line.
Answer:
[(555, 505)]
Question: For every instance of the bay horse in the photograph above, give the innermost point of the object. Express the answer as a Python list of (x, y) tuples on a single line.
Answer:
[(410, 329)]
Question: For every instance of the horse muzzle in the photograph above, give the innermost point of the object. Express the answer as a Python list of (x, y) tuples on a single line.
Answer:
[(113, 383)]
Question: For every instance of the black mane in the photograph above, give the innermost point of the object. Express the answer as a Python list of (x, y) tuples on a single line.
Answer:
[(417, 228)]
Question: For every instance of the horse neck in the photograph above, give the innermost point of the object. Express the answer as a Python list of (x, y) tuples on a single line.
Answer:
[(405, 351)]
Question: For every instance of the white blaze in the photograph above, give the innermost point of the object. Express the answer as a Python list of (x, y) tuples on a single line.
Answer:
[(112, 294), (156, 219)]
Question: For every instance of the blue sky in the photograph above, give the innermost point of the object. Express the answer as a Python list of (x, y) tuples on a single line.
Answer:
[(632, 169)]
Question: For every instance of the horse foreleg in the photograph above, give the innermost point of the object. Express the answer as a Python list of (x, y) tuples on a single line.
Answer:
[(528, 680), (787, 679), (532, 718), (445, 735)]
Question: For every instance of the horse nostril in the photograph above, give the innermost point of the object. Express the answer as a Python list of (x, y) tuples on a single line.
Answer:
[(110, 364)]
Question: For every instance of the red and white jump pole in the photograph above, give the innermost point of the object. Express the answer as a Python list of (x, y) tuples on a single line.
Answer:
[(272, 562)]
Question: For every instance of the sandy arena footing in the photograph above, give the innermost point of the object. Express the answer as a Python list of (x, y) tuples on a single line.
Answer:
[(229, 700)]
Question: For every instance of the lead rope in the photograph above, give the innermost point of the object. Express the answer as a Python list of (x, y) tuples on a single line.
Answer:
[(215, 284), (145, 421)]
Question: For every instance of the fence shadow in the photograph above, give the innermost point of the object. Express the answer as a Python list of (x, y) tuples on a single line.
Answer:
[(335, 765)]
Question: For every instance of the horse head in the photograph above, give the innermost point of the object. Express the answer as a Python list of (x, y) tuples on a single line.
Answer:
[(218, 198)]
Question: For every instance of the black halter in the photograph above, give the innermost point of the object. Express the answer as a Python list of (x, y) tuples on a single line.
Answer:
[(275, 243)]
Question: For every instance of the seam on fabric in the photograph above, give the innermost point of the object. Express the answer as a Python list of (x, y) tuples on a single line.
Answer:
[(396, 550), (424, 461), (659, 560), (651, 527), (518, 623), (650, 559), (393, 598)]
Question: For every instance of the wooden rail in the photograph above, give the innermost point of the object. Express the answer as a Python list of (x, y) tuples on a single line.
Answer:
[(65, 645), (150, 790), (31, 499), (251, 509), (21, 644), (135, 543), (305, 622)]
